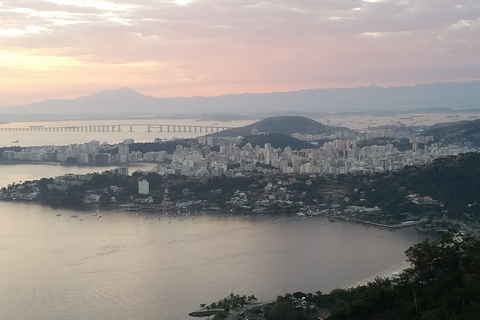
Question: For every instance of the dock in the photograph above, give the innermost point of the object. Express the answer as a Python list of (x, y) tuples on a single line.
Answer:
[(387, 226), (204, 312)]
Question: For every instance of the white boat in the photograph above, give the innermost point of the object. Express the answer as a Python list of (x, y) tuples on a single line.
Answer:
[(95, 213)]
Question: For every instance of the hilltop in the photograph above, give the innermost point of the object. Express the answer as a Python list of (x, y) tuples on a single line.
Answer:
[(286, 125)]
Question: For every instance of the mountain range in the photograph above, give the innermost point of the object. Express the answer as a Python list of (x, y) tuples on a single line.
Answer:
[(127, 102)]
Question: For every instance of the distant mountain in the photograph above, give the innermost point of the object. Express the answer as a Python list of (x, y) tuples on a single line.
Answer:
[(121, 101), (127, 102), (285, 125)]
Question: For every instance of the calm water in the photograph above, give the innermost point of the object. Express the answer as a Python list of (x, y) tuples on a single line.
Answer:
[(124, 266)]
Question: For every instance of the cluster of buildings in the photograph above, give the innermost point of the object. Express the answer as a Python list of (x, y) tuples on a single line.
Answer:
[(30, 190), (340, 156), (222, 156)]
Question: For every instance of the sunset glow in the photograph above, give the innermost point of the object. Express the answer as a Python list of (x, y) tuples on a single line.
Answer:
[(69, 48)]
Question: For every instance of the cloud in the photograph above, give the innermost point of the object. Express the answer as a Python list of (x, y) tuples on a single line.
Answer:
[(209, 46)]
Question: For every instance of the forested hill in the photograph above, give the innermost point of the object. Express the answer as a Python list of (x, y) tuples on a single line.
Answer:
[(442, 284), (453, 180), (455, 133), (283, 124)]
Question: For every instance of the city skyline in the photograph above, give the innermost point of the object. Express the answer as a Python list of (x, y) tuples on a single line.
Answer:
[(63, 49)]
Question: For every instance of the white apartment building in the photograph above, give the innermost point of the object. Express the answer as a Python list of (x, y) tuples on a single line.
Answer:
[(143, 187)]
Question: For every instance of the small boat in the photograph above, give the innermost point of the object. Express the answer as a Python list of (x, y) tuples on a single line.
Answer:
[(74, 216), (16, 141), (58, 214), (95, 213)]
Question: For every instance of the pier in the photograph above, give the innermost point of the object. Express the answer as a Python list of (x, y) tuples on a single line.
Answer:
[(386, 226), (122, 127)]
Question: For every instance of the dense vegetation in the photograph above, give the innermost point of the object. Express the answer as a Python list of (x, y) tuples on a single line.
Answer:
[(442, 283), (454, 180), (282, 124), (465, 132), (109, 188)]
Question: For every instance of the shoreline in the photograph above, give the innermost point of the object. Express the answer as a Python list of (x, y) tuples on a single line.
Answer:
[(388, 273), (80, 165)]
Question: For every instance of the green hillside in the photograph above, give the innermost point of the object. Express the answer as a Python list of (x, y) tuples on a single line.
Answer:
[(464, 132), (454, 181), (282, 124), (441, 284)]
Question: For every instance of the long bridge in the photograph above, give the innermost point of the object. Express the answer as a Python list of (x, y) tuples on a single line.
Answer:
[(122, 127)]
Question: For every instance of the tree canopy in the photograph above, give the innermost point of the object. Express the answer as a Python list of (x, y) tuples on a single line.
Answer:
[(442, 283)]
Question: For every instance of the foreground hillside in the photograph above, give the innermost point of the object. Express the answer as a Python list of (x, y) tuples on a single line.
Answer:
[(442, 283)]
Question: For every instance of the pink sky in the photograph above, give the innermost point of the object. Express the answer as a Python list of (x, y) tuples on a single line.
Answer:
[(69, 48)]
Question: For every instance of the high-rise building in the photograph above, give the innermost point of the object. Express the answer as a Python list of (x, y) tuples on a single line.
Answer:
[(123, 151), (143, 187), (122, 171)]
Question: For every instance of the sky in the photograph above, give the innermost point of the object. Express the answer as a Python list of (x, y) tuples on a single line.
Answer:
[(64, 49)]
